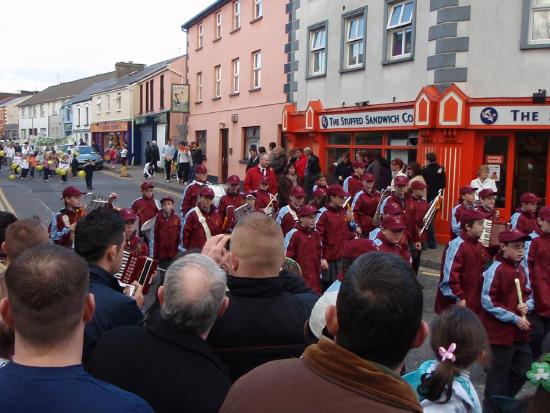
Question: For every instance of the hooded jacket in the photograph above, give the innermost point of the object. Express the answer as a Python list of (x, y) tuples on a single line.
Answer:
[(304, 246)]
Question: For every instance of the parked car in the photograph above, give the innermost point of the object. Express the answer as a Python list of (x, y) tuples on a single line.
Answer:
[(85, 153)]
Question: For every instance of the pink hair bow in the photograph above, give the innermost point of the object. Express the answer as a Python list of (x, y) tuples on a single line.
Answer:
[(447, 354)]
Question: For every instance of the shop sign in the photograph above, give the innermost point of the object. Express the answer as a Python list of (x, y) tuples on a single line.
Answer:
[(510, 115), (180, 98), (161, 118), (494, 159), (367, 120), (109, 127)]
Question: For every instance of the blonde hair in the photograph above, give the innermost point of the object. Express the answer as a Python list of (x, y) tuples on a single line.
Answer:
[(482, 168)]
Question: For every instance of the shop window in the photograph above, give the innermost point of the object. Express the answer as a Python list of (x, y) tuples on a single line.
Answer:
[(339, 139), (251, 137), (354, 40), (369, 138), (317, 61), (399, 40), (200, 138), (536, 24)]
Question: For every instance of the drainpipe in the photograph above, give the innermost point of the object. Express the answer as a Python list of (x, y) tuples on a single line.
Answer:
[(132, 126)]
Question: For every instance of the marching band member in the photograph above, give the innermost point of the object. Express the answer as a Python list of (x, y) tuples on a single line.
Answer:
[(352, 184), (355, 248), (229, 202), (202, 222), (391, 209), (390, 237), (254, 176), (524, 218), (319, 198), (416, 208), (191, 192), (398, 195), (487, 199), (467, 199), (463, 261), (250, 198), (320, 182), (166, 239), (537, 260), (134, 243), (64, 222), (332, 224), (365, 203), (303, 244), (288, 216), (506, 299), (147, 206), (265, 201)]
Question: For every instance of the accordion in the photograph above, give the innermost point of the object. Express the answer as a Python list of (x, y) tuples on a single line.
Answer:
[(491, 231), (138, 268)]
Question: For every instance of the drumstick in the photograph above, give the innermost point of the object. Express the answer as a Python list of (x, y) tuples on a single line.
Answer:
[(518, 290)]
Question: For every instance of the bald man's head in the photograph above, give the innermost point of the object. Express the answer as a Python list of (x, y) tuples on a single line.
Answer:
[(257, 247)]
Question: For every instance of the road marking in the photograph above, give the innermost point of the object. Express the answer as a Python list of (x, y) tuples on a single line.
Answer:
[(124, 178), (430, 274), (6, 206)]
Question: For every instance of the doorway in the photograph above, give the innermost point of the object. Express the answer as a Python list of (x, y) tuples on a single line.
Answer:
[(530, 164), (224, 142)]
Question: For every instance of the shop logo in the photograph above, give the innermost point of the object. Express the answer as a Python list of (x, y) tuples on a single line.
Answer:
[(324, 122), (489, 116)]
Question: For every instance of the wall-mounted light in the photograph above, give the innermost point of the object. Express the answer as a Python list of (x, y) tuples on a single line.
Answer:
[(362, 104), (539, 96)]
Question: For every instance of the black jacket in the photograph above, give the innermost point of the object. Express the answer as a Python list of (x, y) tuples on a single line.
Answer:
[(148, 154), (312, 168), (155, 154), (381, 170), (197, 156), (112, 309), (343, 169), (434, 175), (264, 322), (172, 369), (252, 162)]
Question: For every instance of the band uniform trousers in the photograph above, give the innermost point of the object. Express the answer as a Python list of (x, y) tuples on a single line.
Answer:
[(506, 374), (540, 327), (331, 275)]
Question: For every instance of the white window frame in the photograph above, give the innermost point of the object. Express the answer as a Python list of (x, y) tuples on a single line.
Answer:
[(317, 49), (359, 40), (217, 81), (218, 27), (119, 102), (256, 70), (199, 87), (200, 35), (258, 9), (236, 15), (108, 99), (538, 8), (402, 26), (77, 117), (236, 77), (87, 115), (98, 103), (42, 110)]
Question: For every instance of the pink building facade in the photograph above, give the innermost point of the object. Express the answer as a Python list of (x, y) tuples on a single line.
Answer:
[(236, 57)]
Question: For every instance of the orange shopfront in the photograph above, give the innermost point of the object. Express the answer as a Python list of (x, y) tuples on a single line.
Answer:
[(510, 135)]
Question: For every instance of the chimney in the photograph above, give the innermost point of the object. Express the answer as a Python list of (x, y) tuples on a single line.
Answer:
[(125, 68)]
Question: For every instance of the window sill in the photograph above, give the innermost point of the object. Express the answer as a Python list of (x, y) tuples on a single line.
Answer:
[(529, 46), (351, 69), (398, 60), (217, 98), (217, 39), (198, 102), (243, 161), (198, 48), (255, 89), (235, 30), (234, 94), (308, 77), (257, 19)]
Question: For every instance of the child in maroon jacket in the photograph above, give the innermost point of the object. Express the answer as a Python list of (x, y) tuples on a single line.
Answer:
[(167, 233), (332, 224), (525, 218), (506, 299), (303, 244)]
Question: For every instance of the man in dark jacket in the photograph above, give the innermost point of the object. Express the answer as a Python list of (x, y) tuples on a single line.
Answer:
[(253, 157), (312, 170), (434, 175), (359, 370), (155, 154), (99, 239), (264, 321), (168, 362), (379, 167)]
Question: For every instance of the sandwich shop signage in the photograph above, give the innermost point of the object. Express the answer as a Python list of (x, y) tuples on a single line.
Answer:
[(365, 120)]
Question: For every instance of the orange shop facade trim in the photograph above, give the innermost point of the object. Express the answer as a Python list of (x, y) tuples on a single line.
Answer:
[(509, 134)]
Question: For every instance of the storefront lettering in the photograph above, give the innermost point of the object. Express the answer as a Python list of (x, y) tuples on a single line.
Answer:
[(536, 115), (368, 119)]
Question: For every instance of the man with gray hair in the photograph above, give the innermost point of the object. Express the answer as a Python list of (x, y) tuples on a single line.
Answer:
[(169, 363)]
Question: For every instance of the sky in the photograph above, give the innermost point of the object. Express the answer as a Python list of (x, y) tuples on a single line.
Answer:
[(49, 42)]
